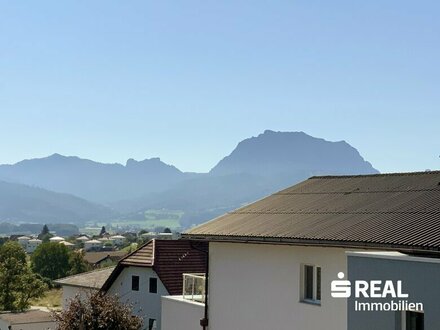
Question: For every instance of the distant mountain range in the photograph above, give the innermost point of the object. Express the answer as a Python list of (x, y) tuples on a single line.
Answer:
[(256, 167), (24, 203)]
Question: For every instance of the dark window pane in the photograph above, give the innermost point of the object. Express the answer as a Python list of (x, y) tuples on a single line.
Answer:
[(414, 321), (135, 283), (308, 282), (153, 285), (151, 324), (318, 283)]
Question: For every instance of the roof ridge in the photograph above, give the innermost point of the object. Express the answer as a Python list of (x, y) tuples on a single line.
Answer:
[(137, 249), (84, 273), (374, 175)]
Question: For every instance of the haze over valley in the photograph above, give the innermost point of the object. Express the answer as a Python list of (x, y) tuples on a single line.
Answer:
[(68, 189)]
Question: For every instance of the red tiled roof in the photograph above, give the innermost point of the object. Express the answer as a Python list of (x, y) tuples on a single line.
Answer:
[(169, 259)]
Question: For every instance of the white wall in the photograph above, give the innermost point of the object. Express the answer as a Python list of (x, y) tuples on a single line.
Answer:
[(145, 304), (257, 287), (179, 314), (69, 292)]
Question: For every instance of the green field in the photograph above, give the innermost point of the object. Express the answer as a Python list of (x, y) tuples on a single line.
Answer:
[(150, 219), (51, 299)]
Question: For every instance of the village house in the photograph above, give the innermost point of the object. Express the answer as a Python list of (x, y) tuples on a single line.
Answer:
[(272, 263), (28, 244), (93, 245), (154, 270), (104, 258), (28, 320), (83, 284)]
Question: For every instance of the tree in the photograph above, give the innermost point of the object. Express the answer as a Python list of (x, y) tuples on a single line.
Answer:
[(51, 260), (167, 230), (97, 311), (45, 230), (102, 231), (77, 263), (45, 234), (17, 283)]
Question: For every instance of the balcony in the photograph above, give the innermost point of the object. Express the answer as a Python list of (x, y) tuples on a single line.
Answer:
[(194, 287)]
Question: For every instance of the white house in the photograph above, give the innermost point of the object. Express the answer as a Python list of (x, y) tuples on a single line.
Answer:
[(56, 239), (154, 270), (23, 241), (118, 239), (68, 245), (92, 245), (29, 244), (271, 263), (82, 239), (83, 284), (33, 244), (107, 241)]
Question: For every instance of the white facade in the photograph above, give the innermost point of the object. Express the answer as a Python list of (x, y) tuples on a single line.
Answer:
[(32, 245), (258, 286), (92, 245), (118, 239), (107, 240), (178, 313), (69, 292), (23, 241), (68, 245), (145, 304), (28, 244)]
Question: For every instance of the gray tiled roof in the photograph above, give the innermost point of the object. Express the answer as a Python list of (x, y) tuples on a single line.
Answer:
[(93, 280), (400, 210)]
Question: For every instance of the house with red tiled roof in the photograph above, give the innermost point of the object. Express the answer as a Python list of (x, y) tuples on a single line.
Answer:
[(154, 270)]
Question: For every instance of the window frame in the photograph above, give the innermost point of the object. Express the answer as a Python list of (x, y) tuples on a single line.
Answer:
[(152, 279), (404, 319), (316, 288), (152, 324), (133, 287)]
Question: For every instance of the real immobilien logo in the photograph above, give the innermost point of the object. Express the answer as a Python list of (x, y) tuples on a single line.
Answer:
[(375, 289)]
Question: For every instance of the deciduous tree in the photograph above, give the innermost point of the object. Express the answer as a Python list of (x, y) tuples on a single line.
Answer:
[(17, 282), (51, 260), (97, 311)]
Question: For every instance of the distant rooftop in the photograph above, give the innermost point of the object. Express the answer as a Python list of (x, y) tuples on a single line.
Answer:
[(95, 257), (28, 317), (92, 280)]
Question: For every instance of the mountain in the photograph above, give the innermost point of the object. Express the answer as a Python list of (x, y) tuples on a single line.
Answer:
[(97, 182), (292, 153), (258, 166), (21, 203)]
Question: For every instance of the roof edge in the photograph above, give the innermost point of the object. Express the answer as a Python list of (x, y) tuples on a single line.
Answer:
[(311, 242), (374, 175)]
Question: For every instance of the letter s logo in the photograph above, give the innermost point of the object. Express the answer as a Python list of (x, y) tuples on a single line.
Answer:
[(341, 288)]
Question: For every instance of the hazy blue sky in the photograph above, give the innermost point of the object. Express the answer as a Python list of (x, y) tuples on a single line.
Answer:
[(187, 80)]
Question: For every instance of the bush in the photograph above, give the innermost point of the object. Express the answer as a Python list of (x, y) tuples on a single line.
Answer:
[(97, 311)]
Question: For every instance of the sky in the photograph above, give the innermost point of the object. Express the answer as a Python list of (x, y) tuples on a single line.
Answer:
[(187, 80)]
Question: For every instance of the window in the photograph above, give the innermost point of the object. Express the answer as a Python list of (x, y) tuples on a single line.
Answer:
[(135, 283), (413, 320), (153, 285), (151, 324), (311, 284)]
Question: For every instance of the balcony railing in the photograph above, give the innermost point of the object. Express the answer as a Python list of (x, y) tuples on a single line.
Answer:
[(194, 287)]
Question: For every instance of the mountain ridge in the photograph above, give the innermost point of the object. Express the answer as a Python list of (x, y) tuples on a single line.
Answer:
[(257, 166)]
